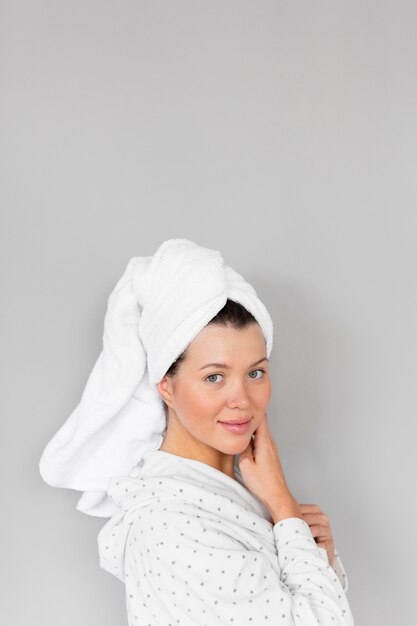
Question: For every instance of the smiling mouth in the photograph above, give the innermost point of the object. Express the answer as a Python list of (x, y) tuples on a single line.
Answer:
[(239, 427)]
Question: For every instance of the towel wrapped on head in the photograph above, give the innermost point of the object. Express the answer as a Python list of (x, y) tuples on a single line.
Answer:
[(158, 306)]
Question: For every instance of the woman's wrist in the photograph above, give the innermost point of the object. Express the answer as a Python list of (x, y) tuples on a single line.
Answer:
[(283, 509)]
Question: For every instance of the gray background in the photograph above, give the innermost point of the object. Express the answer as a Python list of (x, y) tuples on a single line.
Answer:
[(282, 134)]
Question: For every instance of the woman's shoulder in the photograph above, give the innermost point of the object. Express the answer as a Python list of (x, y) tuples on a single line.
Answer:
[(179, 519), (154, 519)]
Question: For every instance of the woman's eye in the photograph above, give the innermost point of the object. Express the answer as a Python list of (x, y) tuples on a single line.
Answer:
[(212, 376), (259, 370)]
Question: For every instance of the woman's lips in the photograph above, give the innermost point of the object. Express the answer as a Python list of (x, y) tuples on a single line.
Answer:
[(237, 428)]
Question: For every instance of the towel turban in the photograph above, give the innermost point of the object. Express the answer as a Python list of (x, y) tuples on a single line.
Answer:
[(157, 307)]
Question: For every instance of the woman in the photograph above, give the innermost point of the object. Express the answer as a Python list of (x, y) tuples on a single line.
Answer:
[(199, 549), (204, 530)]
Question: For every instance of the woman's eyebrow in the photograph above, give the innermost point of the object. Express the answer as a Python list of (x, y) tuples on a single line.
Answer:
[(225, 366)]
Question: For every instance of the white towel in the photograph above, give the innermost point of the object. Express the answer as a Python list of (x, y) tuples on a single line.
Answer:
[(156, 309)]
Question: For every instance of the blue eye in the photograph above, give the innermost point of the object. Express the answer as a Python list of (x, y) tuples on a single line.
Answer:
[(259, 370), (212, 376), (257, 378)]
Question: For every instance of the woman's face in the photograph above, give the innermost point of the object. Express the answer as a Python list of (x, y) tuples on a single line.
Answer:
[(238, 387)]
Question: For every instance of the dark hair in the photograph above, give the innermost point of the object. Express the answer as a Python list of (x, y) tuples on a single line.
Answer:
[(232, 314)]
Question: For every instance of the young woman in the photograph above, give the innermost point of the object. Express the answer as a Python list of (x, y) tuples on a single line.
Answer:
[(171, 441), (209, 532)]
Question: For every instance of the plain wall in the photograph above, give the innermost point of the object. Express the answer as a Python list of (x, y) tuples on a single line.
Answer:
[(282, 133)]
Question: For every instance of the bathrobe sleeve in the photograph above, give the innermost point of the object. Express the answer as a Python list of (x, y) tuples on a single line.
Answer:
[(204, 575), (340, 570), (337, 566)]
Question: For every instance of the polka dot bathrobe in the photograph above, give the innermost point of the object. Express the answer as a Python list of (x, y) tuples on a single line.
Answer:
[(195, 547)]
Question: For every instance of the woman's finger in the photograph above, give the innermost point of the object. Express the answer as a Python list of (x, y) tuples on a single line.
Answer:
[(320, 532)]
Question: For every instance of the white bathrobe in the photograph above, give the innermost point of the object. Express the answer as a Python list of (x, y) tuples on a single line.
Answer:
[(195, 547)]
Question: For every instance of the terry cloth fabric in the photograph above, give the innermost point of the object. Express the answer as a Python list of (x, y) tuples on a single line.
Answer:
[(194, 546), (157, 307)]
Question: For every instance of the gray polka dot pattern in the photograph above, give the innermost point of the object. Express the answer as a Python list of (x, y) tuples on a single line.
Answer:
[(194, 547)]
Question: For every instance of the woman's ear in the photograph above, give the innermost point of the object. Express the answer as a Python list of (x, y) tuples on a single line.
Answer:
[(165, 390)]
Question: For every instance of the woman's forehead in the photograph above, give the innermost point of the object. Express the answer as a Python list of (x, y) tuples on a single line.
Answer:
[(220, 343)]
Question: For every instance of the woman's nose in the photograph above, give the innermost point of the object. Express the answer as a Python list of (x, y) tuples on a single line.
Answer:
[(239, 401)]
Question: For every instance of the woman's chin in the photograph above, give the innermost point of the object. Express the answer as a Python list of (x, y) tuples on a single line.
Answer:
[(235, 447)]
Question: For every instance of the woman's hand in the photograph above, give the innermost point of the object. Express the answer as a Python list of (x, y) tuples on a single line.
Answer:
[(320, 528), (263, 475)]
